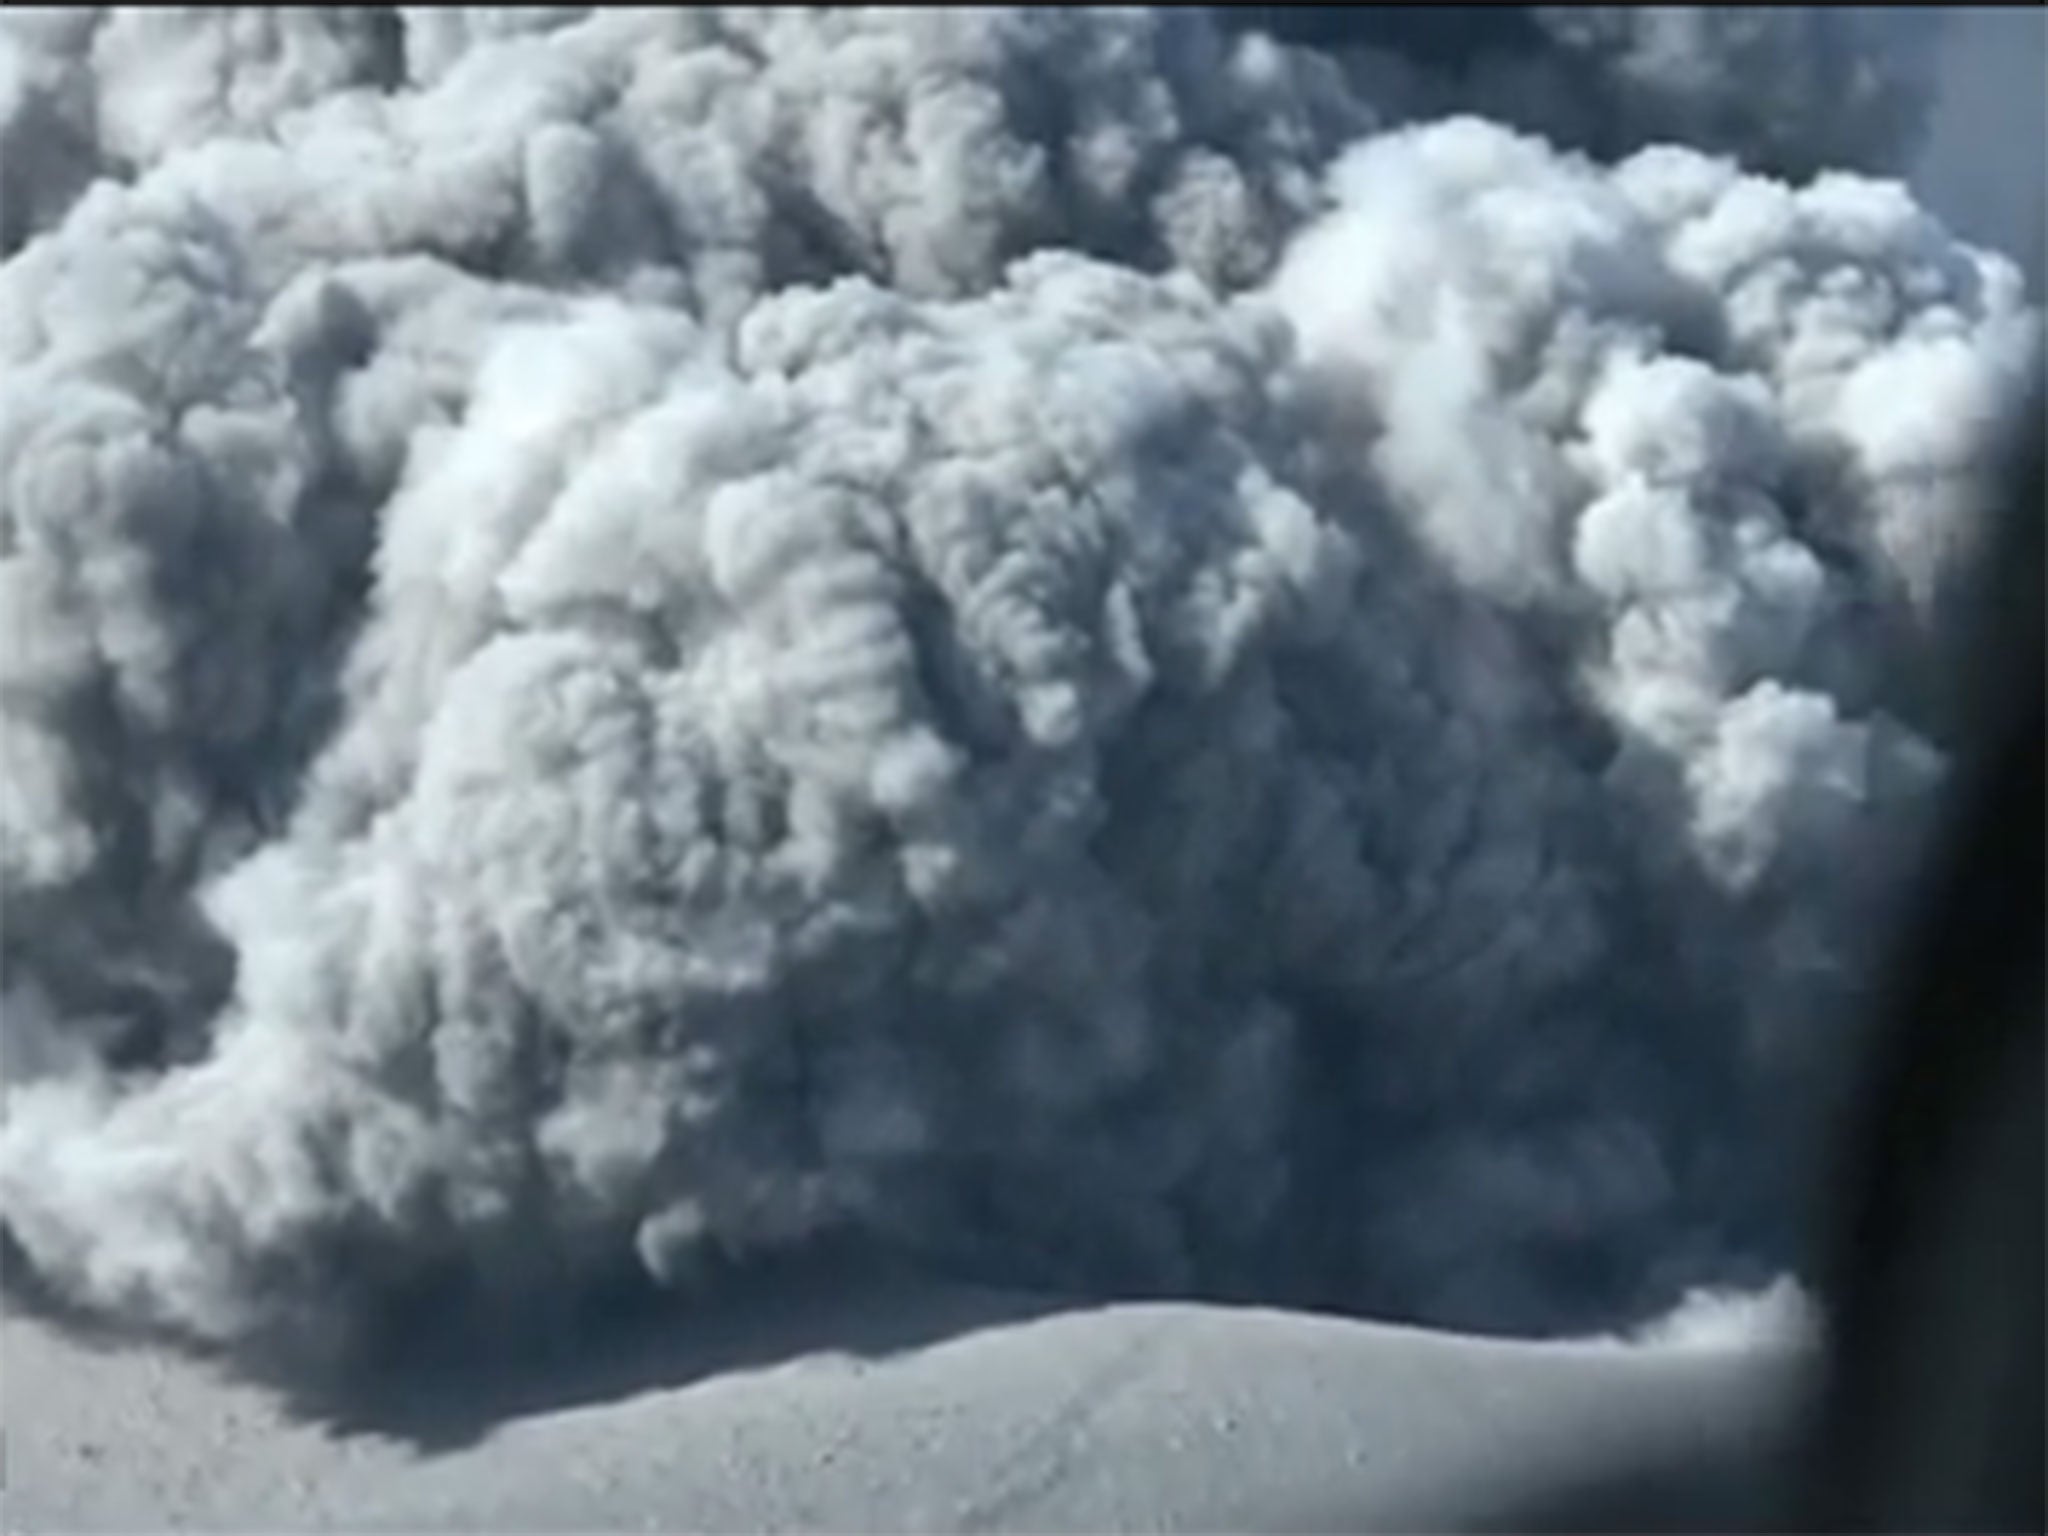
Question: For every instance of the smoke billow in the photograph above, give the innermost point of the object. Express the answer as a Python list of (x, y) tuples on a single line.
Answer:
[(1069, 638)]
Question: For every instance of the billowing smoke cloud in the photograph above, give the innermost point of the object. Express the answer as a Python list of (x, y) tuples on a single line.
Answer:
[(634, 636), (1950, 97)]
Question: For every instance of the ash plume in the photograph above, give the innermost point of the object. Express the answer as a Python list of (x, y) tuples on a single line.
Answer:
[(1097, 645)]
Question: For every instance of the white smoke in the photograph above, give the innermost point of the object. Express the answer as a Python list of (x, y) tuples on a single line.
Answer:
[(1780, 1316), (633, 636)]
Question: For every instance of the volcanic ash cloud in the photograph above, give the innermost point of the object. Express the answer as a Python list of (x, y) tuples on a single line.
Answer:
[(964, 627)]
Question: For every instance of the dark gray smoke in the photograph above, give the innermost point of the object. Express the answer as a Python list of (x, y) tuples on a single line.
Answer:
[(1792, 90), (636, 636)]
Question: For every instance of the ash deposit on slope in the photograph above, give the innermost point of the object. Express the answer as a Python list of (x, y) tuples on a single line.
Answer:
[(1121, 654)]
